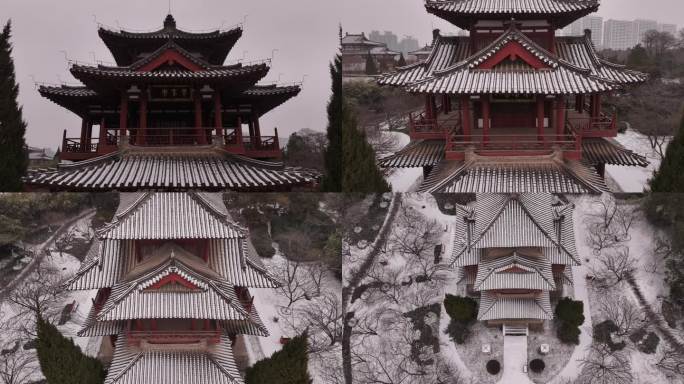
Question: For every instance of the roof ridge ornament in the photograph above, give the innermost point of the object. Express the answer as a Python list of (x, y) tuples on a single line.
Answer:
[(170, 22)]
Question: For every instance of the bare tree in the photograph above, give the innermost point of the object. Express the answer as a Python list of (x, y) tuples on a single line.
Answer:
[(620, 311), (603, 366), (415, 236), (38, 295), (613, 266), (292, 283), (322, 320), (17, 367), (388, 359), (65, 241), (316, 273), (609, 224), (672, 361)]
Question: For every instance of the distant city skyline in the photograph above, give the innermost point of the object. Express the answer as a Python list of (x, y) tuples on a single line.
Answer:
[(616, 34)]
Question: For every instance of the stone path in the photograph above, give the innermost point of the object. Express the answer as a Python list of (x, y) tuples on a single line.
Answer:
[(514, 358)]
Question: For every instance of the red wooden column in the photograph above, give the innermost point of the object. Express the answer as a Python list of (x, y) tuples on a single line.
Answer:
[(465, 117), (102, 141), (84, 133), (486, 107), (560, 119), (598, 106), (540, 118), (201, 137), (123, 114), (141, 138), (592, 105), (238, 131), (218, 114), (429, 111)]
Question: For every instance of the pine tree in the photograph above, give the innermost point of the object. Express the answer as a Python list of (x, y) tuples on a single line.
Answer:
[(332, 180), (402, 60), (287, 366), (638, 57), (13, 156), (371, 69), (61, 361), (361, 173), (670, 176)]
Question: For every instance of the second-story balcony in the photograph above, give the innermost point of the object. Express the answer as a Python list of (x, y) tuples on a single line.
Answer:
[(260, 147), (425, 128)]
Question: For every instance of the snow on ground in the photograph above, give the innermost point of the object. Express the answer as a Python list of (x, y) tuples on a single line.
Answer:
[(66, 265), (634, 179), (649, 275), (272, 308)]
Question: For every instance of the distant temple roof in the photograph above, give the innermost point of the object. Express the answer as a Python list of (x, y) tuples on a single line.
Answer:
[(359, 39), (175, 168), (463, 13)]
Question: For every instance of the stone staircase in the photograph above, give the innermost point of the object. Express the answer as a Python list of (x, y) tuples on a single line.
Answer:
[(515, 330)]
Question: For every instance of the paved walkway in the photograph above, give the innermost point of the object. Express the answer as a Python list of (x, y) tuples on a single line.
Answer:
[(514, 358)]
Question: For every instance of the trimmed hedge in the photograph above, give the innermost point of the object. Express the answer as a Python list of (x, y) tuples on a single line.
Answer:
[(287, 366), (463, 312), (570, 315), (462, 309)]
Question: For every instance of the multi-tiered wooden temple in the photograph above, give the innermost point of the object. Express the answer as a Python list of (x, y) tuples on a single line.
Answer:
[(172, 273), (170, 115), (515, 253), (512, 107)]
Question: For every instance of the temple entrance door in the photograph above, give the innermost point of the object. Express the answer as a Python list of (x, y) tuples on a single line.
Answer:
[(171, 128), (513, 115)]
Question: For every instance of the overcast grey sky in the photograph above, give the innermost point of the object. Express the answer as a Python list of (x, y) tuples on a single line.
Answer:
[(305, 33), (408, 17)]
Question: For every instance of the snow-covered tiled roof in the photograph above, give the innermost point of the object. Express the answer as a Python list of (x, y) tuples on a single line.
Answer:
[(574, 68), (171, 215), (502, 307), (511, 6), (513, 175), (213, 299), (419, 153), (181, 169), (514, 221), (515, 272), (602, 150), (135, 365)]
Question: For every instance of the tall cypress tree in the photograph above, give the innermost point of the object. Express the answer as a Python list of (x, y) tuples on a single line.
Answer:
[(287, 366), (402, 60), (361, 173), (670, 176), (332, 180), (61, 361), (13, 157)]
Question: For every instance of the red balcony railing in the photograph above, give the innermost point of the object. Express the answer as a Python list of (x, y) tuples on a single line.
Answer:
[(421, 127), (257, 147), (602, 126), (501, 144)]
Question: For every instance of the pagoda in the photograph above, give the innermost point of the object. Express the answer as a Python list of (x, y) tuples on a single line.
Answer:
[(515, 253), (173, 273), (512, 107), (171, 116)]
